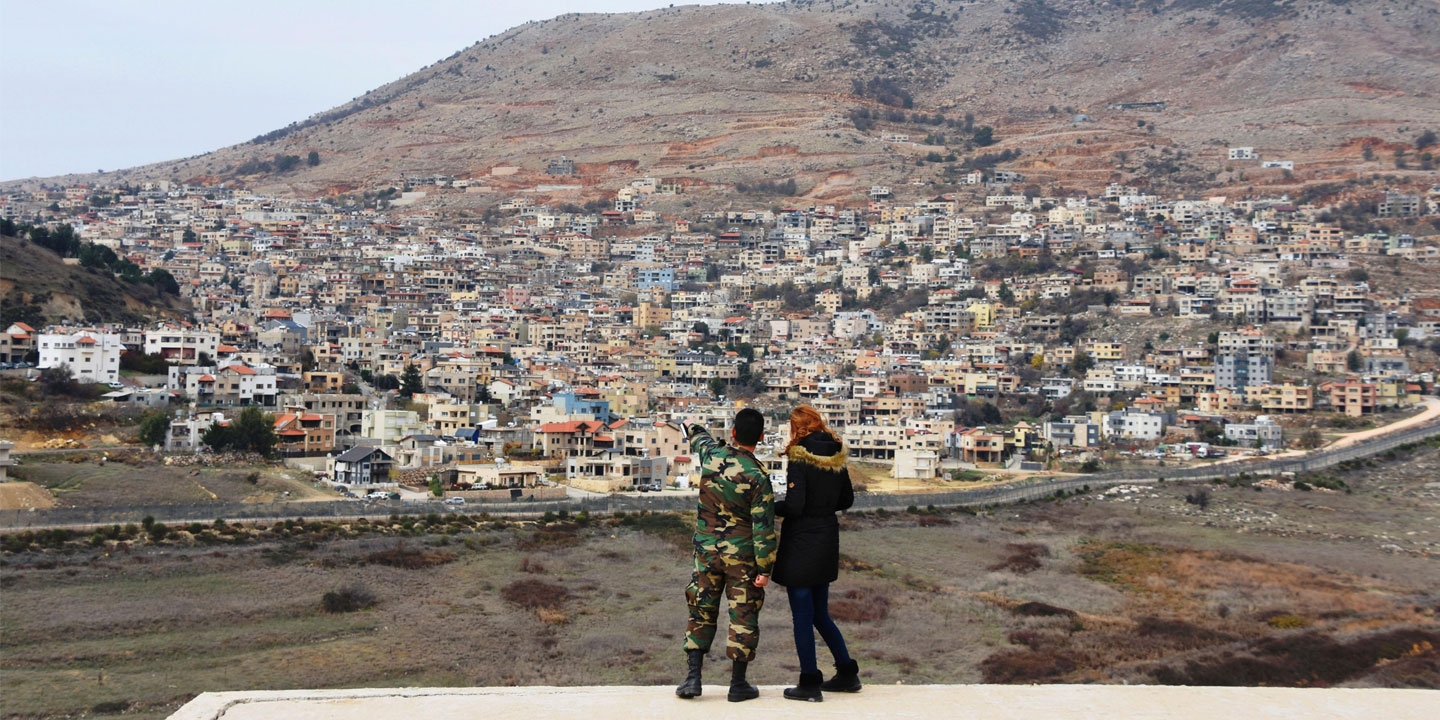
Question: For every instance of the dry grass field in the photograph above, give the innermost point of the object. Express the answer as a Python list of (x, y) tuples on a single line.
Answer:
[(81, 481), (1277, 587)]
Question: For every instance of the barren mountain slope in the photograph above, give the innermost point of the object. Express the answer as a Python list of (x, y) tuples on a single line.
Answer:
[(725, 93)]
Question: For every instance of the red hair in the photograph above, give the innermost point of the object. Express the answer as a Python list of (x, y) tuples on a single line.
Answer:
[(805, 420)]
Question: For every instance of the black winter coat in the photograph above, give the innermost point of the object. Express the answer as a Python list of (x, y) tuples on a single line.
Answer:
[(818, 486)]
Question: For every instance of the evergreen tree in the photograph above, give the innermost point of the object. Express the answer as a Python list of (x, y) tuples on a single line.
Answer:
[(411, 382), (1006, 295), (163, 281), (251, 431), (153, 428)]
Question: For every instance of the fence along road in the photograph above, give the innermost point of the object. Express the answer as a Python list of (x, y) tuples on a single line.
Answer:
[(979, 497)]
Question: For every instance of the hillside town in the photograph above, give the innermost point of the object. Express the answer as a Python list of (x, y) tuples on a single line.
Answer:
[(987, 328)]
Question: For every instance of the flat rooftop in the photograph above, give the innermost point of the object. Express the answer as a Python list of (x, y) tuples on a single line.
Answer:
[(972, 702)]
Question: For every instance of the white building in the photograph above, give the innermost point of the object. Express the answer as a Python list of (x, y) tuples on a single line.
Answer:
[(390, 426), (91, 356), (1135, 425), (185, 432), (182, 347), (1264, 431), (5, 461), (917, 464)]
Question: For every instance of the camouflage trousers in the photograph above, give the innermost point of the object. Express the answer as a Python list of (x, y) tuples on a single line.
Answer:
[(716, 574)]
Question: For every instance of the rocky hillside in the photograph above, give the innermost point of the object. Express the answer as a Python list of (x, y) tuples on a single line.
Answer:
[(38, 288), (724, 94)]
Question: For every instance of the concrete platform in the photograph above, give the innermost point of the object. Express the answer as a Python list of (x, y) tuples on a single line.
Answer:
[(972, 702)]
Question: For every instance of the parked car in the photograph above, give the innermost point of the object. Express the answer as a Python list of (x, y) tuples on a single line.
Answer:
[(378, 495), (455, 501)]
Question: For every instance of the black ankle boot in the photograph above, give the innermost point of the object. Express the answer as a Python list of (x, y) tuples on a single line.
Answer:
[(808, 689), (691, 687), (740, 690), (846, 678)]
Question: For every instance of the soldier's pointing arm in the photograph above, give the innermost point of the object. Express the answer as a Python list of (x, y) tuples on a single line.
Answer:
[(701, 443)]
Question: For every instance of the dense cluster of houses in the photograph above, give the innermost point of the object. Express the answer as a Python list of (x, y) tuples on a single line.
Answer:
[(578, 336)]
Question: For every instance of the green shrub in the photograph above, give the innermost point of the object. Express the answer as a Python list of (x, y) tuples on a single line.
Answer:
[(1288, 621), (347, 599)]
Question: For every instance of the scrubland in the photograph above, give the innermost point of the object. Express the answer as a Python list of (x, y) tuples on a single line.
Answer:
[(1275, 587)]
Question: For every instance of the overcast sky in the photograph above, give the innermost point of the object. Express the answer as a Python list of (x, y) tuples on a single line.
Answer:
[(90, 85)]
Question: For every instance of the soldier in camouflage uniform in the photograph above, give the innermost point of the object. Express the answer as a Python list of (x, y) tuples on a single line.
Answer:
[(734, 550)]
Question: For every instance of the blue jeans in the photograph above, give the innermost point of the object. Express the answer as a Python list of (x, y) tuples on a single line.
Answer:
[(810, 607)]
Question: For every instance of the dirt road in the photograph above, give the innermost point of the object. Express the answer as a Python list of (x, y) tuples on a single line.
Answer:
[(1432, 411)]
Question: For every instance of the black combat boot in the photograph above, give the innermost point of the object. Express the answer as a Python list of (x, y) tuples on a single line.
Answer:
[(691, 687), (809, 688), (740, 690), (845, 679)]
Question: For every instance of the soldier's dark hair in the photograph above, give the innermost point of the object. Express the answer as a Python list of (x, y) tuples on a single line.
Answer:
[(749, 425)]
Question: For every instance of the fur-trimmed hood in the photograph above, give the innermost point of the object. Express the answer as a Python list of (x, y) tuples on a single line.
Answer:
[(822, 452)]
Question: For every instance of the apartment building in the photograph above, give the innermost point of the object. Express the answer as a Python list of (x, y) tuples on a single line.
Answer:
[(92, 357), (233, 384), (182, 346), (1286, 398), (304, 433)]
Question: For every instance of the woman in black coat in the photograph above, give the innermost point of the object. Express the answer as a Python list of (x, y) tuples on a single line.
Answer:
[(817, 486)]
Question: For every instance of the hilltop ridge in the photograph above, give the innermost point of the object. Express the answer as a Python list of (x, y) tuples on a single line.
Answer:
[(715, 95)]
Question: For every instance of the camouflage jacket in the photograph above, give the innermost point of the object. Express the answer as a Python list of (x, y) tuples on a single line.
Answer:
[(736, 512)]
